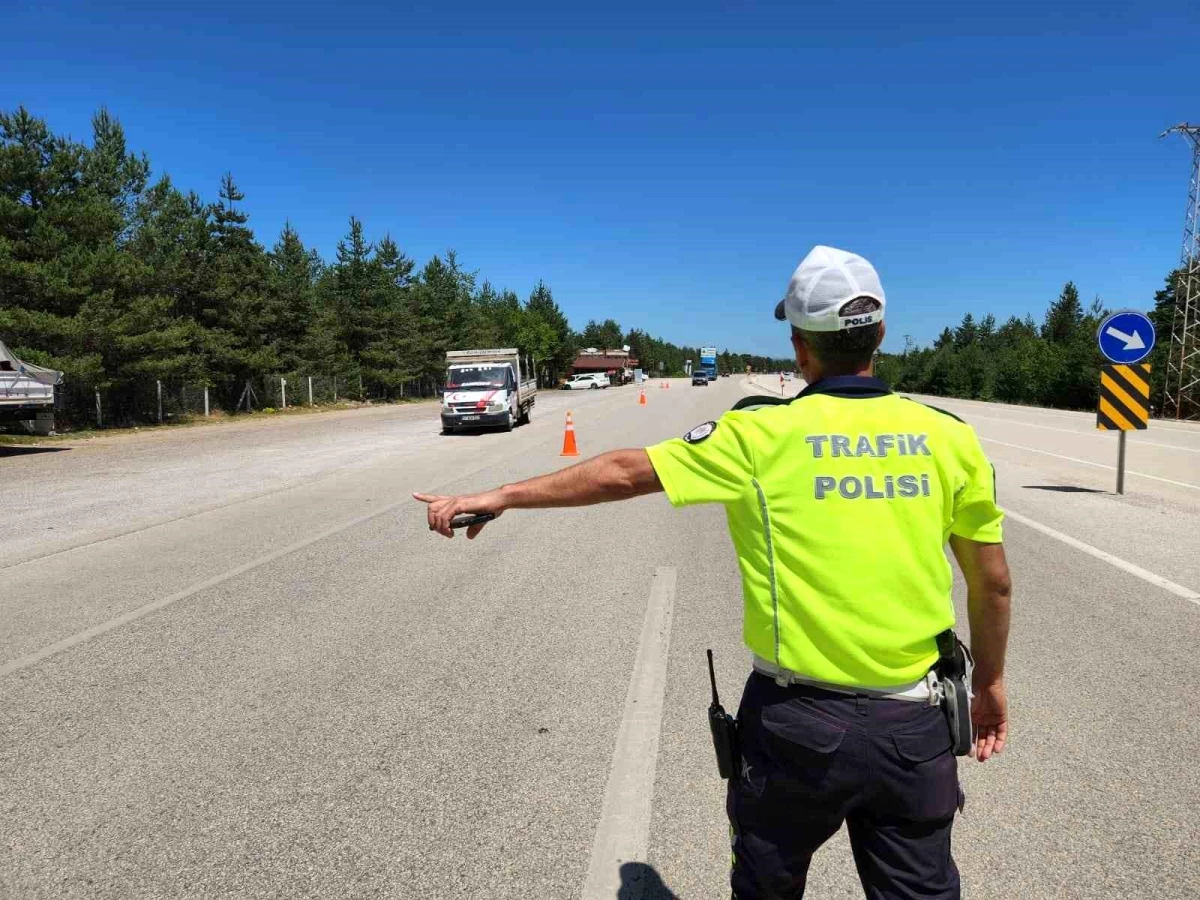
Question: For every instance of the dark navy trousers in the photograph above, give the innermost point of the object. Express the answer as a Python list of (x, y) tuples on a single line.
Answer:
[(813, 759)]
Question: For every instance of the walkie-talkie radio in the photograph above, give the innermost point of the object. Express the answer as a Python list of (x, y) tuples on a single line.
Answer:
[(724, 729), (466, 520)]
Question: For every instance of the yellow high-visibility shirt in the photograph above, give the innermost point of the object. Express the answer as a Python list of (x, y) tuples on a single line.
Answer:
[(840, 504)]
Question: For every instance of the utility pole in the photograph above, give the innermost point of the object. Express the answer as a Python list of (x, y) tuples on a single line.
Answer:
[(1181, 398), (908, 343)]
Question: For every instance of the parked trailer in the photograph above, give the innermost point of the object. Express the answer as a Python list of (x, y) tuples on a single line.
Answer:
[(26, 393), (487, 389)]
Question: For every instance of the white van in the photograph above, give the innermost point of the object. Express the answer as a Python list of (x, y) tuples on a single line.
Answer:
[(487, 388)]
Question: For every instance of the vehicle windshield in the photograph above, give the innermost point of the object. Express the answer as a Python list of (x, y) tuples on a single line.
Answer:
[(465, 377)]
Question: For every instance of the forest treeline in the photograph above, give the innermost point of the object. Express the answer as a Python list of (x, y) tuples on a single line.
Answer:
[(119, 280), (1055, 362)]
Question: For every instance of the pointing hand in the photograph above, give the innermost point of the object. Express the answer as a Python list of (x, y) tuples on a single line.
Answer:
[(442, 510)]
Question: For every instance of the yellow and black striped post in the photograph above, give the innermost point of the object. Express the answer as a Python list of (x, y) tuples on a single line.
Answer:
[(1124, 406), (1124, 398)]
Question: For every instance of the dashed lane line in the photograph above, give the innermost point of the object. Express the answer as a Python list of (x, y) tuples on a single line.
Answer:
[(1139, 442), (1124, 565), (1088, 462), (623, 832)]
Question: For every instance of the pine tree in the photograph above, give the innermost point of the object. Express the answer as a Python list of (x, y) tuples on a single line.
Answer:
[(433, 300), (39, 174), (1064, 317), (234, 307), (561, 350), (611, 336), (290, 300), (986, 335), (387, 358), (112, 174), (966, 333), (351, 291), (170, 237)]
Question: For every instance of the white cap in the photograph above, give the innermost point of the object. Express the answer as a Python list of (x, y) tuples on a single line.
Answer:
[(824, 282)]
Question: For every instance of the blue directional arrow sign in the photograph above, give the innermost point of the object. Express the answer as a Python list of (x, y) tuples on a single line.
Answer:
[(1126, 337)]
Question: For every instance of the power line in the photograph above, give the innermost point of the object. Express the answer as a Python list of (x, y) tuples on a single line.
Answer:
[(1181, 395)]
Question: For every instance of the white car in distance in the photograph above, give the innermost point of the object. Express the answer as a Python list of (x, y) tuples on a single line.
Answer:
[(591, 381)]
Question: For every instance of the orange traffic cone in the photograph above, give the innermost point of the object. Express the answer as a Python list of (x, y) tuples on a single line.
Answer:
[(569, 448), (642, 397)]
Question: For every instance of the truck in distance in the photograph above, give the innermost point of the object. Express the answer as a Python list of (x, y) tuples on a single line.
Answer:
[(487, 389)]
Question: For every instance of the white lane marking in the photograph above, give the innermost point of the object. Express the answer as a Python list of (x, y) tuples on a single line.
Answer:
[(1184, 427), (1138, 441), (23, 662), (1191, 428), (1088, 462), (1177, 589), (623, 832)]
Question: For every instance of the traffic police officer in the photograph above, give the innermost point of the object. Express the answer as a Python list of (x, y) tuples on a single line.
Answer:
[(840, 503)]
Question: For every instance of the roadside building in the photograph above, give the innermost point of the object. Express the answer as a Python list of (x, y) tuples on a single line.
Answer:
[(618, 365)]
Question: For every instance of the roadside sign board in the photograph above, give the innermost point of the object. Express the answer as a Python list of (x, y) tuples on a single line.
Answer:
[(1124, 405), (1124, 398), (1126, 337)]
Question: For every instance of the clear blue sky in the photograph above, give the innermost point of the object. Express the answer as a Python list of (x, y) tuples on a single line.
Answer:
[(666, 164)]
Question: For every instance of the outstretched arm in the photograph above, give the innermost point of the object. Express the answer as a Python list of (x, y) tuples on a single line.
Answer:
[(616, 475)]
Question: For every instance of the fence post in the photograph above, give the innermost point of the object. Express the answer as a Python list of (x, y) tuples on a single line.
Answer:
[(360, 390), (310, 403), (283, 391), (159, 383), (99, 411), (335, 389), (206, 401)]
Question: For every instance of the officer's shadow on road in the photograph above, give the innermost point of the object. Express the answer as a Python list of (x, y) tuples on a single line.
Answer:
[(642, 882), (1063, 488)]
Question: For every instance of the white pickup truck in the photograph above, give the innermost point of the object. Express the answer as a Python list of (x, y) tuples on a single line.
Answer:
[(26, 393), (487, 388)]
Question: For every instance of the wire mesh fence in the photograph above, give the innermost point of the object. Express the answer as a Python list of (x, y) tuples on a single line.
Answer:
[(86, 406), (154, 401), (79, 405)]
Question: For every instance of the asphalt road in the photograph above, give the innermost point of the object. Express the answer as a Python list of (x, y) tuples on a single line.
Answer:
[(234, 663)]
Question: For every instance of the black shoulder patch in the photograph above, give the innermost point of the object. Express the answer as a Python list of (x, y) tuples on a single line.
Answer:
[(944, 412), (759, 402), (700, 433)]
